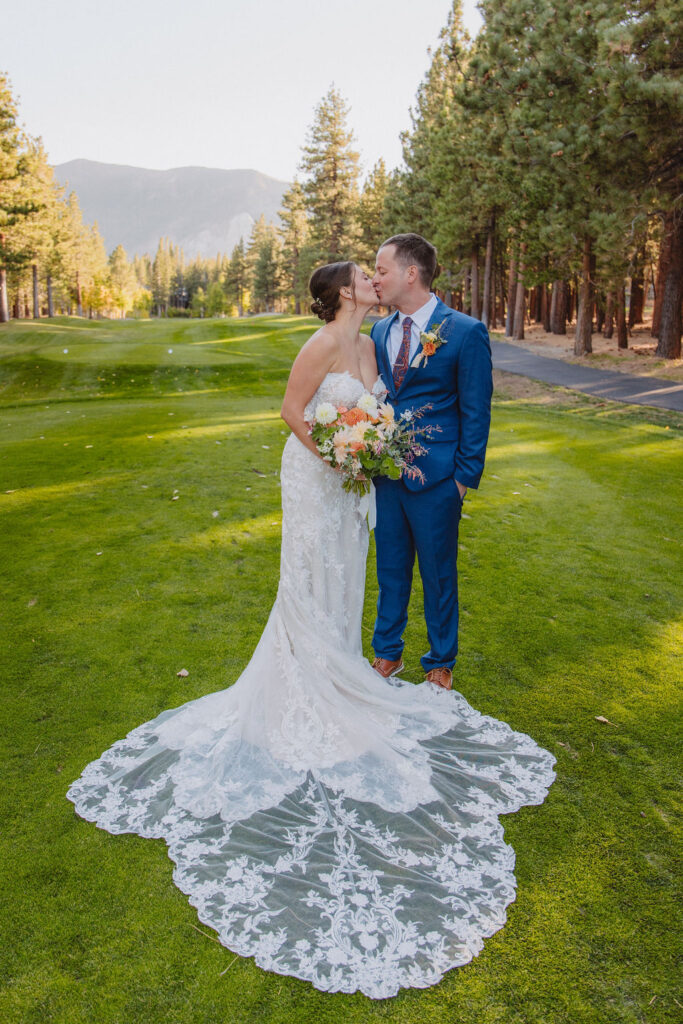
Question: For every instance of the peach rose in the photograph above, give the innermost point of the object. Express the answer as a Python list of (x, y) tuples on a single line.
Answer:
[(353, 416)]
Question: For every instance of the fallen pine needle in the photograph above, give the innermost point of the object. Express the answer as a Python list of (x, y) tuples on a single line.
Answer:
[(221, 973), (205, 934)]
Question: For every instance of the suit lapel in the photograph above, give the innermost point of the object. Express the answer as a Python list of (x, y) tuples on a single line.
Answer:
[(441, 310), (384, 361)]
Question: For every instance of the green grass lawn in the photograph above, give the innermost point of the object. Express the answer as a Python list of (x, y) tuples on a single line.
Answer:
[(140, 519)]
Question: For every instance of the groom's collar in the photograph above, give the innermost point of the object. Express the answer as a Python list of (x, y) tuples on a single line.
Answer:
[(422, 315)]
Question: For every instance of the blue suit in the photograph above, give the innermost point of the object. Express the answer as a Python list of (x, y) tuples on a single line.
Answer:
[(422, 518)]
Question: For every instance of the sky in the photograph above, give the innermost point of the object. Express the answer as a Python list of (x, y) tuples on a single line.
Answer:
[(215, 83)]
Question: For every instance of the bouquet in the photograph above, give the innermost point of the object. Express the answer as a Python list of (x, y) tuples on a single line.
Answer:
[(368, 440)]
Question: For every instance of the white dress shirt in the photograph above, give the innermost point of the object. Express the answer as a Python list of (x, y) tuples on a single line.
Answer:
[(420, 320)]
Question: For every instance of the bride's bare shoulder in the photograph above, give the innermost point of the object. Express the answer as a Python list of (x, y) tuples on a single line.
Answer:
[(323, 343)]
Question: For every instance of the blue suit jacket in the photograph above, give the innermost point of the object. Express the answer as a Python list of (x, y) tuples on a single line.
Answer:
[(457, 382)]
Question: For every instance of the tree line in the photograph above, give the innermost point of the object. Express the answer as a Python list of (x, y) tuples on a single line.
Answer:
[(544, 160)]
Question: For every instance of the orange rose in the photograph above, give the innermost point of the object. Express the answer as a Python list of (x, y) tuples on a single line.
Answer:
[(353, 416), (356, 447), (429, 348)]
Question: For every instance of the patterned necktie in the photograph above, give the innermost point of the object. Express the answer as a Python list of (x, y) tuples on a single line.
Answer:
[(403, 357)]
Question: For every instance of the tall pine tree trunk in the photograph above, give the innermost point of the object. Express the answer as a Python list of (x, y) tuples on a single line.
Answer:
[(545, 309), (622, 329), (36, 295), (599, 311), (533, 301), (609, 316), (492, 320), (488, 273), (584, 319), (510, 317), (520, 296), (554, 292), (79, 298), (558, 307), (636, 299), (4, 305), (662, 271), (670, 326), (474, 279)]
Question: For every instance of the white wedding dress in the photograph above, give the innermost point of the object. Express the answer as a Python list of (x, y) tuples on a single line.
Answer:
[(331, 824)]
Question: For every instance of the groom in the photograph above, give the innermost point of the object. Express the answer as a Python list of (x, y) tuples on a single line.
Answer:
[(422, 517)]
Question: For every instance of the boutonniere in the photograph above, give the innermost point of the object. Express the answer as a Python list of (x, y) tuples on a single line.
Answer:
[(430, 340)]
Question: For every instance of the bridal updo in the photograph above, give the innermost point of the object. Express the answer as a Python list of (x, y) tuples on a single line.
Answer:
[(325, 285)]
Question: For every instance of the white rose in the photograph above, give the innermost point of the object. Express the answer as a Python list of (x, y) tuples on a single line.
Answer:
[(325, 413)]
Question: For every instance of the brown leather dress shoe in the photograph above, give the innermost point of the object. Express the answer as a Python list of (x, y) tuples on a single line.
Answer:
[(441, 676), (387, 668)]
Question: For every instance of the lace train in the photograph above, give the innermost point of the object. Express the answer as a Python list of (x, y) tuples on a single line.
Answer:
[(335, 826)]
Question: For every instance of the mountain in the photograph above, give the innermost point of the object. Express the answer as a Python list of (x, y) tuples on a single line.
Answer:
[(202, 209)]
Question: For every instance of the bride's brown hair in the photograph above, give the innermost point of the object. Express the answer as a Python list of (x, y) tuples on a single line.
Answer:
[(325, 285)]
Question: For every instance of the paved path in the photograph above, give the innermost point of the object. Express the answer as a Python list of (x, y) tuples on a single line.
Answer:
[(610, 384)]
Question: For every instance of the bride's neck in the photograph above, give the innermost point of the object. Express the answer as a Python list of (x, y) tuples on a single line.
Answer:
[(347, 323)]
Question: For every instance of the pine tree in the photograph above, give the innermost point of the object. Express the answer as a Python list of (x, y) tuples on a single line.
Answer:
[(124, 286), (237, 280), (330, 168), (162, 276), (263, 263), (295, 234), (16, 202), (371, 214), (216, 299)]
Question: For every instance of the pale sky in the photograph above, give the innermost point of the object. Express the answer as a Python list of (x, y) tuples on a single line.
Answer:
[(215, 83)]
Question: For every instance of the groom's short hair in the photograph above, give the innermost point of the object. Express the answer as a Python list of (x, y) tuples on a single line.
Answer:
[(412, 249)]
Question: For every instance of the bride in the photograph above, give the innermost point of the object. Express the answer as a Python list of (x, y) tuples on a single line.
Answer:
[(335, 825)]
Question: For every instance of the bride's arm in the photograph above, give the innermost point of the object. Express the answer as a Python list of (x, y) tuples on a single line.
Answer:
[(308, 371), (370, 371)]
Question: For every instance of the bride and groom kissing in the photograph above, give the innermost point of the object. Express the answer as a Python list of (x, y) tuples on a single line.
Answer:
[(415, 515), (331, 820)]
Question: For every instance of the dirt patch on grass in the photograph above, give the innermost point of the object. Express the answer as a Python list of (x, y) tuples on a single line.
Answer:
[(512, 386)]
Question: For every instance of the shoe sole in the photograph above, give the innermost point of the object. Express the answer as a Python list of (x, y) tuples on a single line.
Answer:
[(394, 673), (450, 687)]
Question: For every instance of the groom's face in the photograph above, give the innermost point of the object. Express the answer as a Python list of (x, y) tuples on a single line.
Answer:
[(391, 277)]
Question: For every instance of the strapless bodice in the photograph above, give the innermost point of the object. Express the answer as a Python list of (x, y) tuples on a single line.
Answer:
[(341, 389)]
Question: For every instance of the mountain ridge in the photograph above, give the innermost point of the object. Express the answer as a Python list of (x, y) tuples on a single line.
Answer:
[(204, 210)]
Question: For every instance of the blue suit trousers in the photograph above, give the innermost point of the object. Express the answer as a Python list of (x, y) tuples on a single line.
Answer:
[(425, 523)]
